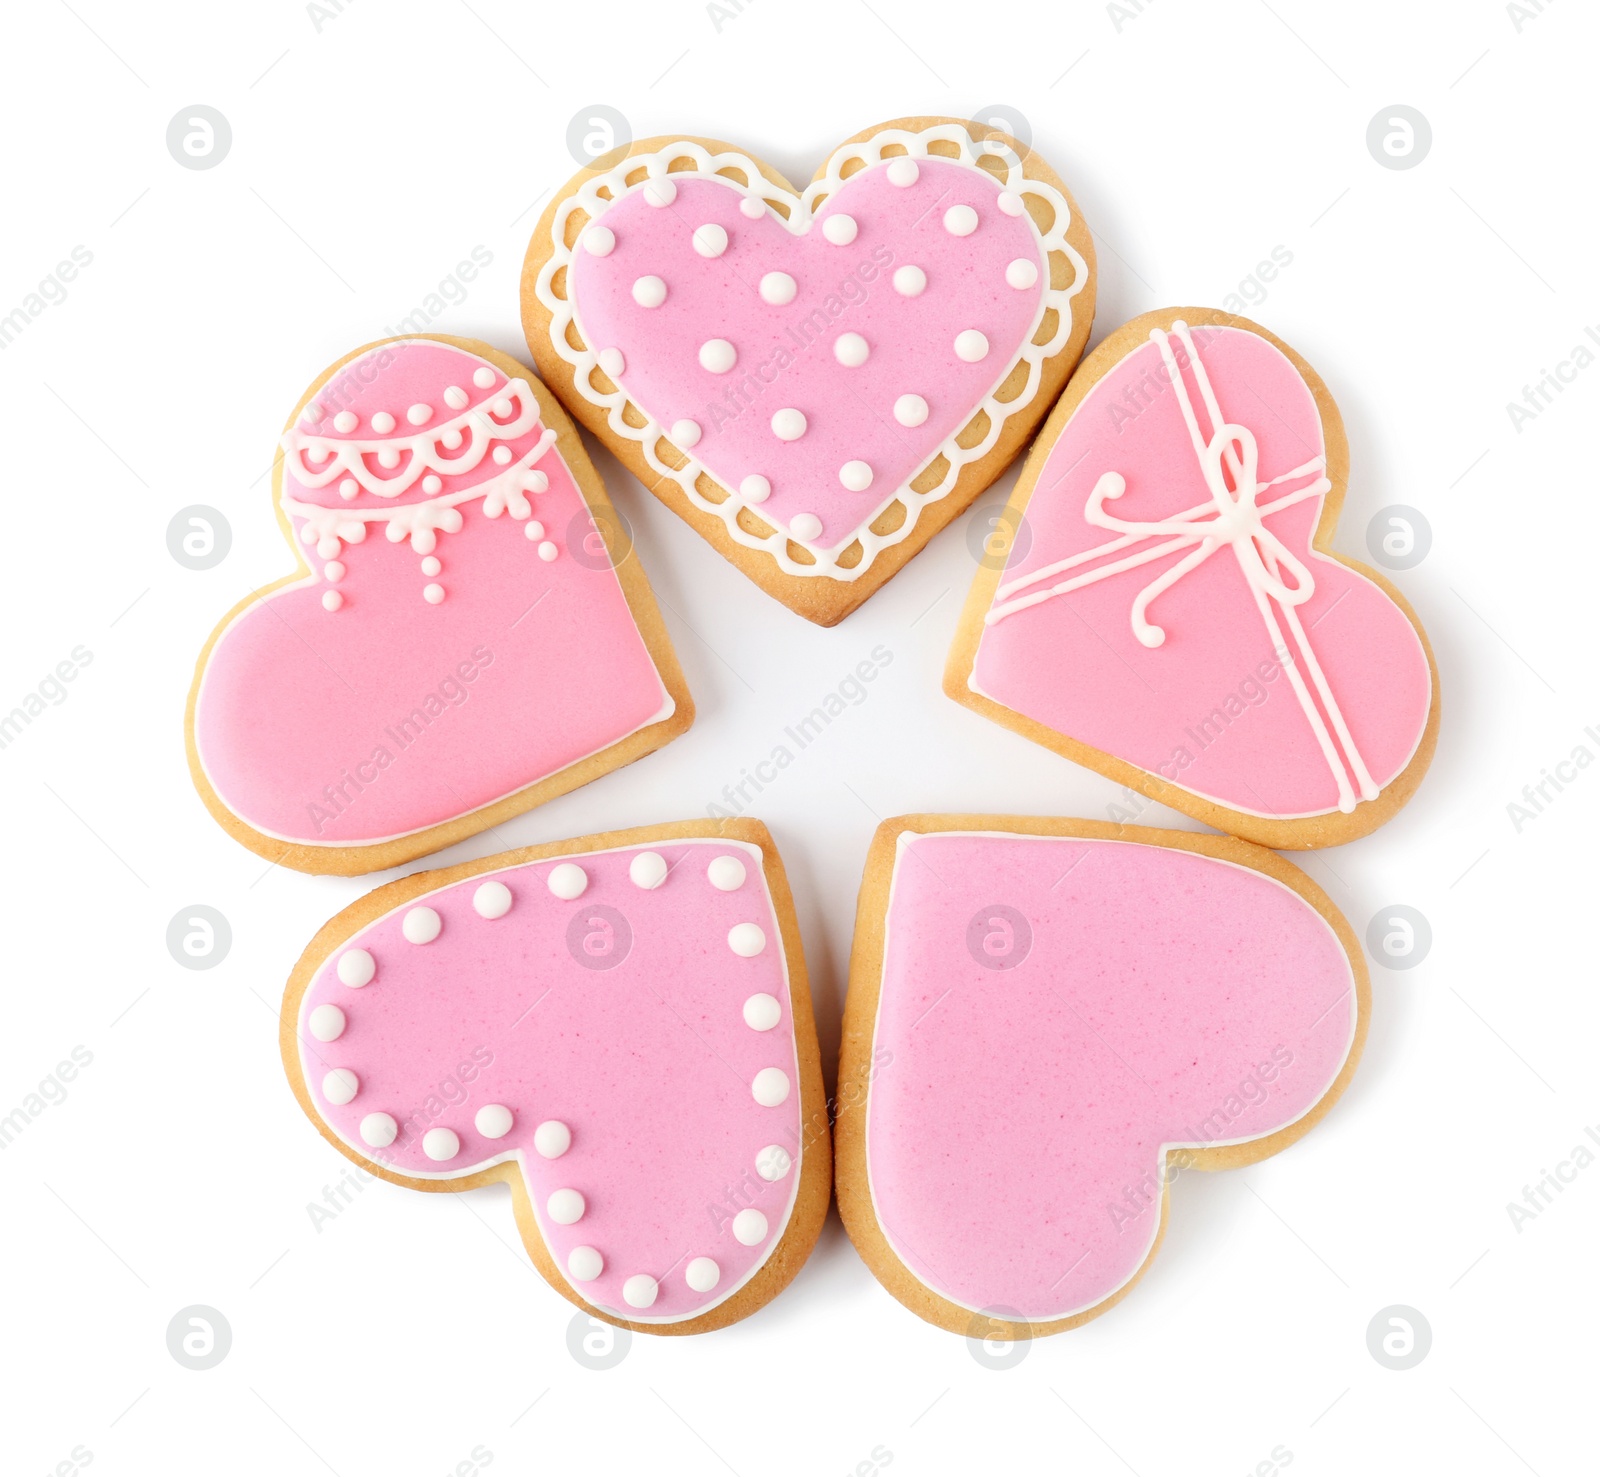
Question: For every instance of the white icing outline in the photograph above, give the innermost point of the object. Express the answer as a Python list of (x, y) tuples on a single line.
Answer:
[(776, 1232), (802, 209), (903, 842)]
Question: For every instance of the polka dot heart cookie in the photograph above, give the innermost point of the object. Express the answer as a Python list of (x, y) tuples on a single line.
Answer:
[(619, 1028), (1047, 1020), (457, 645), (816, 380)]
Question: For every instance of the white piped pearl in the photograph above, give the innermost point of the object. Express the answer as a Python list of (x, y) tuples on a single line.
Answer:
[(971, 346), (346, 421), (686, 433), (840, 229), (856, 476), (326, 1023), (433, 594), (805, 525), (909, 281), (431, 565), (851, 350), (568, 881), (566, 1207), (752, 207), (902, 172), (648, 870), (911, 410), (584, 1264), (750, 1227), (419, 414), (501, 455), (726, 873), (501, 407), (383, 423), (770, 1087), (440, 1144), (483, 376), (710, 239), (762, 1012), (348, 488), (777, 288), (533, 529), (639, 1291), (1008, 202), (356, 968), (493, 1121), (548, 551), (421, 926), (552, 1139), (718, 356), (773, 1162), (378, 1130), (755, 488), (340, 1086), (599, 240), (788, 424), (492, 900), (612, 362), (332, 599), (660, 191), (702, 1274), (649, 292), (451, 439), (1022, 274), (455, 397), (746, 940), (961, 220)]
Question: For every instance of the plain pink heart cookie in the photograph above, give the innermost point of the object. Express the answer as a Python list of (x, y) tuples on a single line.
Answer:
[(467, 637), (1167, 609), (1046, 1020), (816, 380), (619, 1028)]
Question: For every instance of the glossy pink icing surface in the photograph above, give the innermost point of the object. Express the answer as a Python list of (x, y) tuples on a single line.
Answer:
[(786, 352), (1197, 709), (1015, 1139), (648, 1062), (391, 714)]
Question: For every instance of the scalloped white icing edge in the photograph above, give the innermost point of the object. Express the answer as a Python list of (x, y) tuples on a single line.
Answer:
[(801, 208)]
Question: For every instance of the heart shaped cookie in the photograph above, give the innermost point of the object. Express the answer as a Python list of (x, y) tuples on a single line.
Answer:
[(466, 637), (1166, 608), (1046, 1021), (816, 380), (619, 1029)]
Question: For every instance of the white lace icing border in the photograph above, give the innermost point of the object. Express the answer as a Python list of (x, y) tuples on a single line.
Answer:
[(801, 208)]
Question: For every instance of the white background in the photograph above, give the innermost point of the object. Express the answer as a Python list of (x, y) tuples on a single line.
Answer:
[(371, 155)]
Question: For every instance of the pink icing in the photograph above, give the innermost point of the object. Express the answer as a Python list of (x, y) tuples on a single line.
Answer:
[(649, 1063), (391, 714), (1197, 710), (786, 352), (1015, 1139)]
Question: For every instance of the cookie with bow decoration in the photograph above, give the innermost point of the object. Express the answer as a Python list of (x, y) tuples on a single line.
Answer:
[(1165, 606), (469, 633), (619, 1029), (817, 380), (1047, 1020)]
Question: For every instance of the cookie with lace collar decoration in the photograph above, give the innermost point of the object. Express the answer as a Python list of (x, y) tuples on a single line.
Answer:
[(815, 380), (465, 639), (1168, 610)]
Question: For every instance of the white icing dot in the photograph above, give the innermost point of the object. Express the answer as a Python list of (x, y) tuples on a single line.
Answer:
[(755, 488), (710, 239), (483, 376), (850, 349), (451, 439), (762, 1012), (717, 355), (348, 488), (536, 481), (340, 1086), (440, 1144), (909, 281), (750, 1227), (431, 565), (649, 292), (433, 594), (423, 540), (840, 229), (383, 423), (533, 529), (421, 926), (378, 1130), (612, 362), (971, 345), (702, 1274), (492, 900), (961, 220), (660, 191), (327, 1023), (746, 940), (1022, 273), (389, 457), (501, 455), (333, 571), (1008, 202), (856, 476), (493, 1120), (419, 414), (599, 240), (332, 599), (566, 1207), (777, 288), (686, 433), (501, 407), (911, 410), (346, 420), (771, 1087), (752, 207), (431, 483), (455, 397), (568, 881), (805, 525), (356, 968), (726, 873), (552, 1139), (648, 870), (548, 551), (773, 1162), (902, 172), (788, 425), (639, 1291), (584, 1264)]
